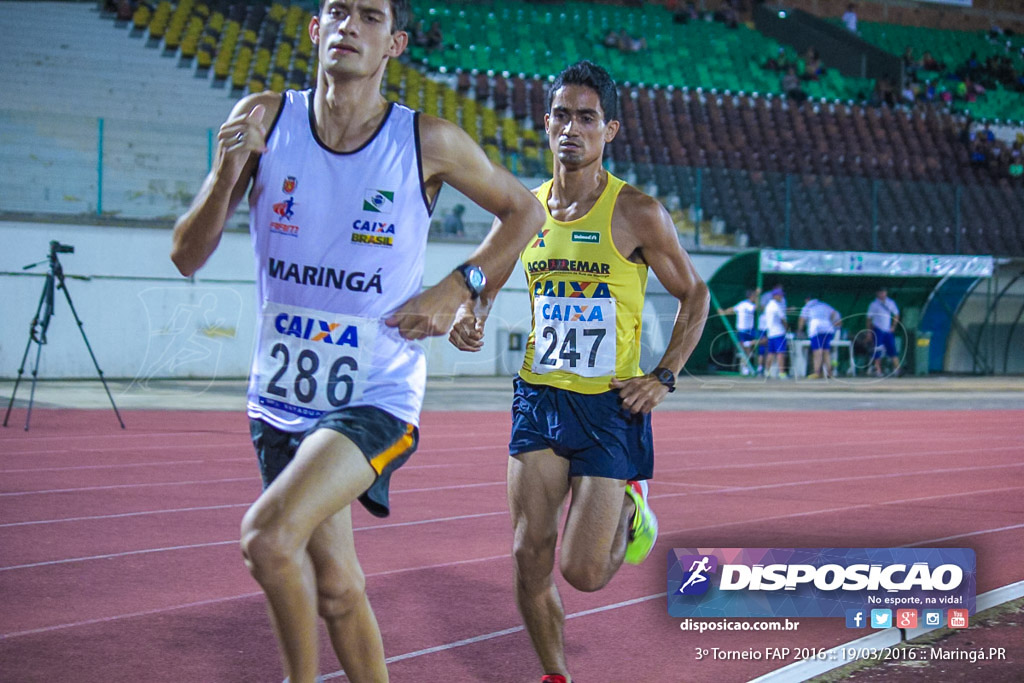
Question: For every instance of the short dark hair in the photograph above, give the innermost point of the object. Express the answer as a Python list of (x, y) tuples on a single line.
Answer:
[(400, 12), (592, 76)]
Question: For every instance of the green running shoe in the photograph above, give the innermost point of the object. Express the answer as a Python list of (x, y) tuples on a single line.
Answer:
[(644, 531)]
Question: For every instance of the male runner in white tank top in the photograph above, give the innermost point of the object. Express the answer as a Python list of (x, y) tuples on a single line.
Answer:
[(342, 185)]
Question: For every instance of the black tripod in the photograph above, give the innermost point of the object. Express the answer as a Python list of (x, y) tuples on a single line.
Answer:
[(41, 323)]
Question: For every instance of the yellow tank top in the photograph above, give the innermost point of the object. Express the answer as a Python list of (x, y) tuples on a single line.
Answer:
[(587, 301)]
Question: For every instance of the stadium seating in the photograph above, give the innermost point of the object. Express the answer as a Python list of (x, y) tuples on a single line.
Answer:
[(751, 166), (521, 38), (953, 49)]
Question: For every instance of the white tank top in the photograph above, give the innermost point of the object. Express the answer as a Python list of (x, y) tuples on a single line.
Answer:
[(339, 240)]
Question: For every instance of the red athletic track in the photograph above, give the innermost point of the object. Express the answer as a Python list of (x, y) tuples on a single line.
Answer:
[(119, 558)]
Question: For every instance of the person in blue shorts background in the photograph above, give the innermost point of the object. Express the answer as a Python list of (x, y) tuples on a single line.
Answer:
[(883, 317)]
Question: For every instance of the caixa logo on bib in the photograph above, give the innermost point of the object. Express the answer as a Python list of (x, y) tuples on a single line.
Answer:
[(816, 582), (317, 330)]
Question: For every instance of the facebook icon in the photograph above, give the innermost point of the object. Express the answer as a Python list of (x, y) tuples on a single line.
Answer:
[(856, 618)]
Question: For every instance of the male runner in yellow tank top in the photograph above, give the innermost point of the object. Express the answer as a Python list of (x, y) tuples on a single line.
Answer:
[(581, 411)]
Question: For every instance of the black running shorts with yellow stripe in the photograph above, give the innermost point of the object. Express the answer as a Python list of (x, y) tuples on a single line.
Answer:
[(385, 441)]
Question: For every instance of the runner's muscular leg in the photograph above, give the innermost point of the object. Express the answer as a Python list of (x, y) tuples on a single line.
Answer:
[(596, 532), (342, 601), (327, 474), (537, 485)]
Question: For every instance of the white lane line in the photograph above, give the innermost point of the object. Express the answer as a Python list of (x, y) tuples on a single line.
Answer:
[(835, 480), (130, 465), (78, 450), (447, 488), (847, 508), (120, 515), (147, 551), (504, 632), (127, 553), (842, 458), (128, 486), (967, 535), (117, 617)]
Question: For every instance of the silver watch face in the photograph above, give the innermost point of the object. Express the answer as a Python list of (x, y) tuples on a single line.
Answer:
[(475, 278)]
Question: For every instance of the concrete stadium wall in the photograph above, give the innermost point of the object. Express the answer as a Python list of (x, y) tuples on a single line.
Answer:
[(145, 321)]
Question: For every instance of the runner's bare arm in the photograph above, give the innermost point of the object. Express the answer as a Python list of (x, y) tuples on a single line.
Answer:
[(450, 156), (240, 141), (659, 245), (467, 333)]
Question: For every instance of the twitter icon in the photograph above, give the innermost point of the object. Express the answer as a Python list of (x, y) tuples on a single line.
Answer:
[(881, 618)]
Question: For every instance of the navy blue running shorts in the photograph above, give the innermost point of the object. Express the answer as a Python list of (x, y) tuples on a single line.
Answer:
[(386, 441), (593, 432)]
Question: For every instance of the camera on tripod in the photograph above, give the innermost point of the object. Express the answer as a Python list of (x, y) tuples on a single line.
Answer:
[(53, 282), (58, 248)]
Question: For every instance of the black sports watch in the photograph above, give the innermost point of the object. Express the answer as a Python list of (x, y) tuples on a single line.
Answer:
[(474, 277), (666, 377)]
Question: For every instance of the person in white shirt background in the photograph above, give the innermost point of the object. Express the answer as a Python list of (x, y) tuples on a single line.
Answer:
[(821, 322), (883, 317), (776, 328), (850, 18), (746, 313)]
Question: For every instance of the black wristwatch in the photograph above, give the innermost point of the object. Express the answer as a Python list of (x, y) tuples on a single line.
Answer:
[(474, 278), (666, 377)]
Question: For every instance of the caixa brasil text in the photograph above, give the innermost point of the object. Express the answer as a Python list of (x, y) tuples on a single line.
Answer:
[(829, 577)]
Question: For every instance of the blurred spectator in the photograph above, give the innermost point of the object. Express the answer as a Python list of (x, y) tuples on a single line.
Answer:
[(791, 86), (623, 42), (883, 94), (909, 93), (745, 312), (435, 38), (910, 64), (728, 13), (452, 225), (778, 62), (417, 34), (850, 18), (929, 63), (821, 322), (812, 65), (681, 13), (629, 44), (979, 153), (929, 94), (883, 317), (776, 325)]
